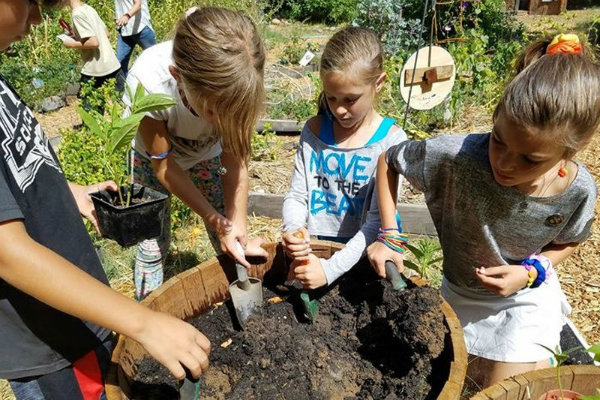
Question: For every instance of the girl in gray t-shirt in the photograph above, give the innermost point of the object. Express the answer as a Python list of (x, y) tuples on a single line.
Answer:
[(507, 206)]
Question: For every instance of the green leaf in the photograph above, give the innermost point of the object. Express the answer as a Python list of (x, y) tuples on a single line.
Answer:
[(591, 397), (123, 131), (417, 252), (139, 94), (595, 349), (413, 266), (436, 260), (90, 122), (129, 94), (153, 102)]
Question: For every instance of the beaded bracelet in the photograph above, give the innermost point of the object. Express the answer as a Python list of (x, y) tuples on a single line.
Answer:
[(541, 272), (546, 263), (530, 275), (395, 241)]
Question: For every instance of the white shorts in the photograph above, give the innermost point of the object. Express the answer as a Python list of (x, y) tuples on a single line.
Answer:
[(510, 329)]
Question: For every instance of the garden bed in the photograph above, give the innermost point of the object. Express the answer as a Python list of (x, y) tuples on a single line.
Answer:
[(366, 342)]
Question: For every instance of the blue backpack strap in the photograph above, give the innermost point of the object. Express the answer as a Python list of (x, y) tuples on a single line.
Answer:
[(382, 131), (326, 132), (399, 221)]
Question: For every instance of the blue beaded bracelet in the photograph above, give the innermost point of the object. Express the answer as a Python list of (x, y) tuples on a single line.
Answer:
[(541, 271)]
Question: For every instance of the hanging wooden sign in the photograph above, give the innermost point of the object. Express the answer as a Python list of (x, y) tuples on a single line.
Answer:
[(430, 81)]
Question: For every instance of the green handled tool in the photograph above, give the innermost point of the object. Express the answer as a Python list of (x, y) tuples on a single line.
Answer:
[(394, 276)]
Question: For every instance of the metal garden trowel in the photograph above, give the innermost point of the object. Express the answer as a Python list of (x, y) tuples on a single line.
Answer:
[(309, 307), (394, 276), (246, 292), (190, 389)]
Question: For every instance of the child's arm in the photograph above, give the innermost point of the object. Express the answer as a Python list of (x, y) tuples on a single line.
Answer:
[(508, 279), (156, 139), (43, 274), (87, 33), (387, 189), (235, 196), (319, 272), (124, 19), (83, 44)]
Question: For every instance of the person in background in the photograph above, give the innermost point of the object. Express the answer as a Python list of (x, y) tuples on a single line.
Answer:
[(134, 28), (90, 37)]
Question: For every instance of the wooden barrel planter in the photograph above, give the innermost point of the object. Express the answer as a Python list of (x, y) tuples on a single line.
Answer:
[(583, 379), (193, 292)]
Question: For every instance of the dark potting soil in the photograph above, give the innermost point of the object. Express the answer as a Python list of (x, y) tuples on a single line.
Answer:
[(368, 342)]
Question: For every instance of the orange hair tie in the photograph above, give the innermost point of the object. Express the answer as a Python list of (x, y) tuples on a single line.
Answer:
[(564, 44)]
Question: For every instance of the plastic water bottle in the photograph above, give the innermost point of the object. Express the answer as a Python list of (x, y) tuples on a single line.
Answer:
[(37, 83), (148, 270)]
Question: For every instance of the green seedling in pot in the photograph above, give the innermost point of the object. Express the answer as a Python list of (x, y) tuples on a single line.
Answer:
[(595, 350), (117, 132), (561, 357)]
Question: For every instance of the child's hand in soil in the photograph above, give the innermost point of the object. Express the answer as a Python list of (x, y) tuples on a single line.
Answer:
[(310, 273), (504, 280), (379, 253), (297, 243), (84, 201), (174, 343)]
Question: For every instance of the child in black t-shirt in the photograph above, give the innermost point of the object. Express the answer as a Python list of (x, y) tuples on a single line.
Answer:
[(54, 295)]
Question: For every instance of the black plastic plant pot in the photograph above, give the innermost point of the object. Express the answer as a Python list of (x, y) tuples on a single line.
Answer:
[(142, 219)]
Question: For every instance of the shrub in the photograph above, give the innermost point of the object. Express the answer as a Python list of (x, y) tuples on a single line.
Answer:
[(488, 41), (265, 145), (329, 11), (391, 19)]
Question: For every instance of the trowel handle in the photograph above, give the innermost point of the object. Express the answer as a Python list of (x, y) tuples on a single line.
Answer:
[(393, 276), (300, 235), (242, 272)]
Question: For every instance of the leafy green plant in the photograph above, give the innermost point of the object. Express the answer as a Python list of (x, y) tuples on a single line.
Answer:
[(397, 30), (426, 253), (295, 49), (330, 11), (99, 99), (595, 350), (265, 145), (117, 132), (562, 356), (299, 110)]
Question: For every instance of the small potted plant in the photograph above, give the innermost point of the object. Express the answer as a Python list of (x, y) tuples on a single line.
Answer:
[(564, 394), (134, 212), (595, 351)]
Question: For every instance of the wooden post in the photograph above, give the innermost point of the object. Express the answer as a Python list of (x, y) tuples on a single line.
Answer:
[(415, 217), (547, 7)]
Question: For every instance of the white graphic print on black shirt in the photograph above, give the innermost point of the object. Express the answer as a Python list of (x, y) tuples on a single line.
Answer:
[(27, 149)]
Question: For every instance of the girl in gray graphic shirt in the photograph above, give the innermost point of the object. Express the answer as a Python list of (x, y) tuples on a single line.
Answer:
[(507, 206), (336, 160)]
